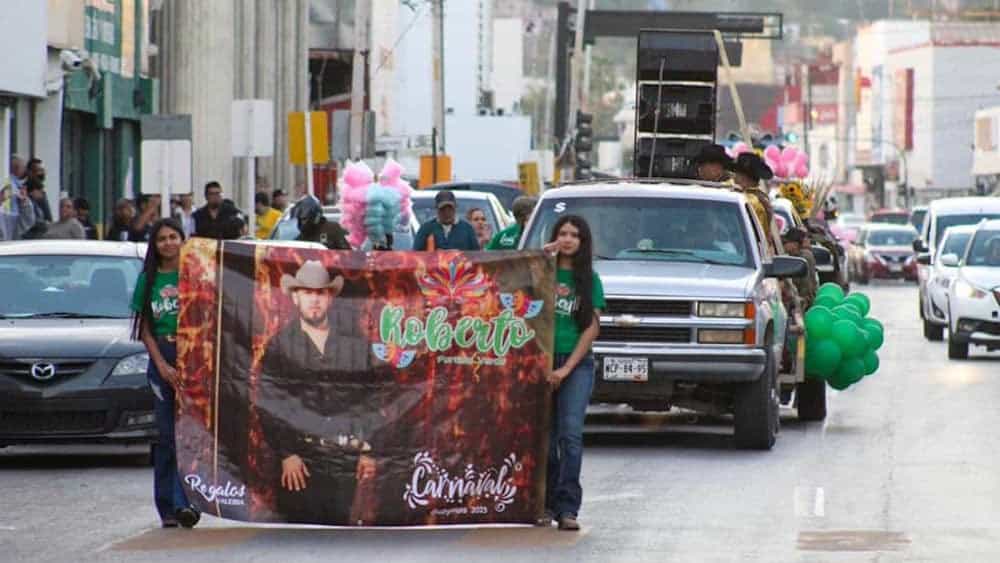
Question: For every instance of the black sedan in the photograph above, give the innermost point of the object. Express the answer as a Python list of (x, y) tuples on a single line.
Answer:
[(69, 372)]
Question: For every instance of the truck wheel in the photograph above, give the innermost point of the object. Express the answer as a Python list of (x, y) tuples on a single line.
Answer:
[(957, 350), (810, 397), (933, 332), (756, 409)]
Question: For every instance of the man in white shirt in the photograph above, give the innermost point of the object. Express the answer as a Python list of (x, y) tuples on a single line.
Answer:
[(185, 214)]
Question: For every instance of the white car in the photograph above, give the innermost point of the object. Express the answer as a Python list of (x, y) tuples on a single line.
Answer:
[(941, 214), (939, 279), (974, 298)]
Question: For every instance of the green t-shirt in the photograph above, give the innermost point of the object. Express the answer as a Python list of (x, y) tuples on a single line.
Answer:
[(567, 333), (164, 301), (506, 239)]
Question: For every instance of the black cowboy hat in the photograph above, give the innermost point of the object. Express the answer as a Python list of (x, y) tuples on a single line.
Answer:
[(752, 165), (712, 153)]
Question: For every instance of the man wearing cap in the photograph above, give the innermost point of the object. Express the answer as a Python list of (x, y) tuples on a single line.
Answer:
[(314, 383), (509, 238), (711, 164), (447, 231)]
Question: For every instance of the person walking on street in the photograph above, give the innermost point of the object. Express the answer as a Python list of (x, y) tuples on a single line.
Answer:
[(210, 221), (446, 232), (67, 227), (82, 207), (579, 300), (185, 214), (509, 238), (266, 216), (155, 305), (477, 218)]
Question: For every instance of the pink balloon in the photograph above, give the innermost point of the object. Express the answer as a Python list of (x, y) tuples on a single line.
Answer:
[(801, 158), (801, 170), (789, 154), (772, 163), (772, 152), (781, 170)]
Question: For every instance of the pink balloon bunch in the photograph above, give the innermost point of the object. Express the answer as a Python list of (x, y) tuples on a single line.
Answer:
[(358, 192), (789, 162), (738, 149)]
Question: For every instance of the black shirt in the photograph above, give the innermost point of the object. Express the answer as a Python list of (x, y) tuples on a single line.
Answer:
[(307, 394), (88, 228), (329, 233), (211, 227)]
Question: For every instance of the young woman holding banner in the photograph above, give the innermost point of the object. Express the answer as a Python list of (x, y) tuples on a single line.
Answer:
[(579, 299), (156, 306)]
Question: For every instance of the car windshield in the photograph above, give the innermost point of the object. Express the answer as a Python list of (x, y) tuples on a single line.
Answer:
[(67, 286), (895, 218), (945, 221), (985, 249), (917, 219), (955, 244), (902, 237), (424, 209), (663, 229)]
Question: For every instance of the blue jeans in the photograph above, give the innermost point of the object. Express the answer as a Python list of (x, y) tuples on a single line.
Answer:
[(168, 492), (563, 492)]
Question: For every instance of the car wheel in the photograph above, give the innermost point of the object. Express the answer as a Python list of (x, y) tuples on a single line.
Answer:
[(810, 398), (756, 409), (933, 332), (957, 350)]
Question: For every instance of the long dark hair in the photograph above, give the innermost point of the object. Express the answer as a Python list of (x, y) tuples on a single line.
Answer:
[(149, 269), (583, 269)]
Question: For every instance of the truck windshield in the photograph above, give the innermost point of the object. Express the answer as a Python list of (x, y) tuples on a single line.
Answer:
[(660, 229)]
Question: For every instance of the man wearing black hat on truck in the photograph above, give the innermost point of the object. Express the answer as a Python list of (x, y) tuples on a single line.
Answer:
[(748, 171), (447, 231), (711, 164)]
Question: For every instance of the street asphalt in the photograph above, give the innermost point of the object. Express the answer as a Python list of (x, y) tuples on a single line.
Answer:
[(905, 468)]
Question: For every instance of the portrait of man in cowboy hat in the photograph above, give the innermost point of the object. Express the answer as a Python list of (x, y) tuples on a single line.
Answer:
[(312, 392)]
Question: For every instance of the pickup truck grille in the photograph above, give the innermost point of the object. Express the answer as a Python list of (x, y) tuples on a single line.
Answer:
[(644, 334), (649, 307)]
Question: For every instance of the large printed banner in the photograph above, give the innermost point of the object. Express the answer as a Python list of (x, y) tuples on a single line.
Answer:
[(351, 388)]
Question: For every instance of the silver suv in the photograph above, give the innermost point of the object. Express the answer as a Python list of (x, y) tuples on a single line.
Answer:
[(694, 313)]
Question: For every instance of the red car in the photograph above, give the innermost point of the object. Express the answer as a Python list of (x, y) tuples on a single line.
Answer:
[(891, 216), (884, 251)]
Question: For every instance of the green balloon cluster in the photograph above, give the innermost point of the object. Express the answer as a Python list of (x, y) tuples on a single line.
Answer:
[(841, 340)]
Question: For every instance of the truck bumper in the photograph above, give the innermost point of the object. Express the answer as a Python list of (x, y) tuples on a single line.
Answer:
[(671, 364)]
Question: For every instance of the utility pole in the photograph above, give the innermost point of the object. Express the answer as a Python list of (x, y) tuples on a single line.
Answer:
[(362, 15), (437, 69), (586, 69), (576, 84)]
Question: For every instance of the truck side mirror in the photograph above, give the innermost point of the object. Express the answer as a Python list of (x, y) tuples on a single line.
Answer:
[(924, 258), (786, 267), (950, 260)]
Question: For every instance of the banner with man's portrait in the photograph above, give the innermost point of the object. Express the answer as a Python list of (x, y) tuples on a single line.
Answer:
[(352, 388)]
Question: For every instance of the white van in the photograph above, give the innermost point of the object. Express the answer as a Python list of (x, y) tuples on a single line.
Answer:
[(941, 214)]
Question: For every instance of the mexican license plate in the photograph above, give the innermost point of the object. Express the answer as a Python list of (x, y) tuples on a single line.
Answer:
[(895, 268), (626, 369)]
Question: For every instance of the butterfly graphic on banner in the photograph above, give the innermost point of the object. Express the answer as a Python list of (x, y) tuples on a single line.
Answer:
[(394, 355), (522, 305)]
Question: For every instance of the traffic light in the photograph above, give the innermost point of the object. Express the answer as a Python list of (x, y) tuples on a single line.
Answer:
[(583, 144), (676, 101)]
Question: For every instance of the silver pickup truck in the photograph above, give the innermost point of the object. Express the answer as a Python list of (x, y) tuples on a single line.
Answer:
[(694, 314)]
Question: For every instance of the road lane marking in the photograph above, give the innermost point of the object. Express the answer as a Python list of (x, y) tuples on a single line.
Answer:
[(819, 504), (611, 498), (810, 502)]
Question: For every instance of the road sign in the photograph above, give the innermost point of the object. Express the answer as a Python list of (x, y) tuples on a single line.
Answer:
[(253, 128), (527, 173), (165, 156), (319, 138)]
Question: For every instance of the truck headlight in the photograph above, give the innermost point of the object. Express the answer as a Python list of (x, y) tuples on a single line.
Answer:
[(131, 365), (721, 336), (722, 310), (966, 290)]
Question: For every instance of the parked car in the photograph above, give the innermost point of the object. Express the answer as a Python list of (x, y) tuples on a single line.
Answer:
[(884, 251), (694, 314), (917, 217), (69, 371), (891, 216), (941, 214), (974, 299), (940, 278), (496, 215), (506, 194), (846, 226)]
